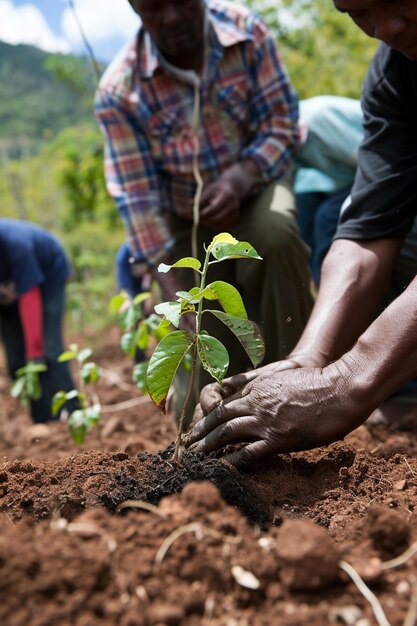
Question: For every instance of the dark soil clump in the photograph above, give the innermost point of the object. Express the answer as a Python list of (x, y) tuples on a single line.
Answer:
[(171, 478)]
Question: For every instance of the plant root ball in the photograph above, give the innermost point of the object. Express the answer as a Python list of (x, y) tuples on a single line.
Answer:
[(309, 557)]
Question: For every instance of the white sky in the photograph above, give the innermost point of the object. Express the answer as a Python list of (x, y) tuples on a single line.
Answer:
[(107, 24)]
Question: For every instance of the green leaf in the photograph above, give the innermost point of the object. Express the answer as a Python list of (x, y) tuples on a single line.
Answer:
[(223, 238), (34, 368), (139, 375), (248, 334), (77, 426), (131, 316), (142, 336), (239, 250), (188, 261), (213, 356), (141, 297), (228, 296), (18, 387), (90, 373), (84, 354), (170, 310), (128, 342), (92, 415), (68, 355), (116, 302), (58, 401), (164, 363)]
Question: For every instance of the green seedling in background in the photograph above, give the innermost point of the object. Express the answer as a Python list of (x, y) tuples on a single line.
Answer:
[(26, 386), (83, 419), (138, 330), (203, 348)]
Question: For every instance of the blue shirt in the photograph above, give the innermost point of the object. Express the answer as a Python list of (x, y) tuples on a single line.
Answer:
[(328, 158), (29, 256), (125, 272)]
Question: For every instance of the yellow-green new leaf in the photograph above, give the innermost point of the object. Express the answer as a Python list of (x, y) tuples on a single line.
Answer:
[(188, 261), (213, 356), (247, 333), (228, 296), (239, 250), (222, 238), (164, 363)]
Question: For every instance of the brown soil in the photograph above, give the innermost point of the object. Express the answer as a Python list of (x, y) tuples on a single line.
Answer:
[(116, 533)]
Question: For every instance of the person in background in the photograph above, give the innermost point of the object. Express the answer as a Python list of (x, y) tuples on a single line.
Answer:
[(326, 167), (203, 86), (351, 356), (33, 271)]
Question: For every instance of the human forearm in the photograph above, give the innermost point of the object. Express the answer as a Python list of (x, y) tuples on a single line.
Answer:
[(31, 313), (354, 278), (385, 356)]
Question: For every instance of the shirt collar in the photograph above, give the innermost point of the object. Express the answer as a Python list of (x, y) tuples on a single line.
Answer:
[(221, 30)]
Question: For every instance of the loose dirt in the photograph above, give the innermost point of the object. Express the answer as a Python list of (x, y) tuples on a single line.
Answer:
[(115, 533)]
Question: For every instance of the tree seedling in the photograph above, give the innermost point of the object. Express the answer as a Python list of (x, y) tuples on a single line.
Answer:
[(203, 348), (83, 419), (138, 330), (26, 386)]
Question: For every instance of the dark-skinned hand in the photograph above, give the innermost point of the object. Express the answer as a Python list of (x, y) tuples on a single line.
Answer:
[(280, 410), (219, 205)]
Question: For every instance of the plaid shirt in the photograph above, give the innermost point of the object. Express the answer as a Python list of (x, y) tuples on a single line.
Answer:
[(248, 109)]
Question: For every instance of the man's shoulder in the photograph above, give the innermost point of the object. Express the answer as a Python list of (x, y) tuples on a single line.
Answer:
[(392, 66), (237, 15), (118, 77)]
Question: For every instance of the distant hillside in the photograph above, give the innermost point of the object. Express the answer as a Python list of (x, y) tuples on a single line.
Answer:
[(41, 94)]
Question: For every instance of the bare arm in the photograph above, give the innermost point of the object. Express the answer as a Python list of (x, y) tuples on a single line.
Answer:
[(354, 278)]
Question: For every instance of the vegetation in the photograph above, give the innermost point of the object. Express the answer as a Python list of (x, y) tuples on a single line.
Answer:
[(205, 349), (27, 386), (51, 149), (88, 414), (36, 103)]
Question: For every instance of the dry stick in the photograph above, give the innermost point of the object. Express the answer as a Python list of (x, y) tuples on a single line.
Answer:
[(366, 592), (194, 527), (410, 618), (409, 466), (178, 444), (402, 558), (93, 60), (140, 504), (196, 171), (126, 404), (196, 205)]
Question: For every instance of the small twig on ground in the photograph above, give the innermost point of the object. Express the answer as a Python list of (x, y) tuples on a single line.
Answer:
[(402, 558), (200, 532), (409, 466), (410, 618), (126, 404), (140, 504), (377, 609)]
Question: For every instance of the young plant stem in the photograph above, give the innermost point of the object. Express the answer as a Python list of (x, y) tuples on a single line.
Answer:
[(178, 443), (194, 363)]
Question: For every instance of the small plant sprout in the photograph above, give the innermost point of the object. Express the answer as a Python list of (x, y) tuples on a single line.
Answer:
[(202, 347), (83, 419), (138, 330), (26, 386)]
